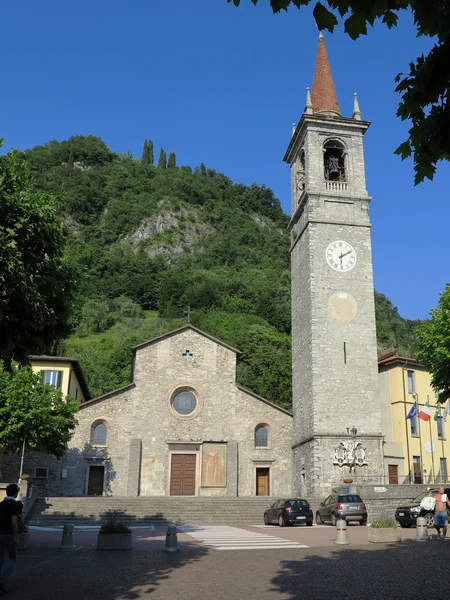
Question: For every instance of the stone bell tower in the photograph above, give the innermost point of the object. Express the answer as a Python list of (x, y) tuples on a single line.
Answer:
[(337, 421)]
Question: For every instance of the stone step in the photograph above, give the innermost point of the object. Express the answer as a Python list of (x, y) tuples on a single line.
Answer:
[(196, 510)]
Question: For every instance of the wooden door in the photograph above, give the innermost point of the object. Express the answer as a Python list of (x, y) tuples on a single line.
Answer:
[(262, 482), (182, 476), (96, 479), (393, 474)]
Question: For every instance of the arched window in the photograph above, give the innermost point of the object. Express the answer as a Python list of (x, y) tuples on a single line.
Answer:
[(261, 436), (334, 161), (300, 176), (99, 434)]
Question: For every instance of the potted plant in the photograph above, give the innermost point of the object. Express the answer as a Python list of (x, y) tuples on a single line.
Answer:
[(348, 480), (24, 534), (114, 535), (384, 530)]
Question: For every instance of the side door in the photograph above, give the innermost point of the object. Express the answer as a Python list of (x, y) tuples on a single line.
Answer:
[(274, 512), (330, 505), (323, 508)]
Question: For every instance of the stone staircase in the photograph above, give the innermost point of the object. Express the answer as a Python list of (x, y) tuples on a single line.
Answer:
[(57, 511)]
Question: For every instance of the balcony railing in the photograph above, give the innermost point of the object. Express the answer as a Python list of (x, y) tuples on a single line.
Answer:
[(336, 186)]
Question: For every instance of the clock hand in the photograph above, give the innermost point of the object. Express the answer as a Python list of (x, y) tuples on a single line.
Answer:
[(342, 255)]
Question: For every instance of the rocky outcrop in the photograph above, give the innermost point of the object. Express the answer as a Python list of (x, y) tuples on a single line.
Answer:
[(185, 234)]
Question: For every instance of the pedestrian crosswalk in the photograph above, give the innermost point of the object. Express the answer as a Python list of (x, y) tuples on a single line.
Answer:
[(224, 537)]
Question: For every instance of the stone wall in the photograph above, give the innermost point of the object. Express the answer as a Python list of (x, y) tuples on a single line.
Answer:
[(383, 503)]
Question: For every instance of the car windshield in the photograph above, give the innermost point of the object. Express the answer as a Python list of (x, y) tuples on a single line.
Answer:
[(349, 499), (297, 503), (421, 496)]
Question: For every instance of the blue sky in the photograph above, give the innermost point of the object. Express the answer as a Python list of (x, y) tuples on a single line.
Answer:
[(222, 85)]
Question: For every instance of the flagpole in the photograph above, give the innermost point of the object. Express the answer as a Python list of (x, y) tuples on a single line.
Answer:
[(431, 442), (416, 397)]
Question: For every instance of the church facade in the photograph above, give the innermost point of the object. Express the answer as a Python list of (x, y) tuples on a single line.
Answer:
[(181, 427)]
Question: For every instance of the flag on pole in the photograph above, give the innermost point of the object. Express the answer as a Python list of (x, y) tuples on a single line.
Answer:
[(413, 411), (425, 413), (436, 412), (446, 411)]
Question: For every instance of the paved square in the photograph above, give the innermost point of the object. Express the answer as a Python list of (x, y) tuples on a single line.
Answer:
[(407, 571)]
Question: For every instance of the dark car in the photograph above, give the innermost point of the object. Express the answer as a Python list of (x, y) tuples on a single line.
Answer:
[(406, 515), (289, 512), (349, 507)]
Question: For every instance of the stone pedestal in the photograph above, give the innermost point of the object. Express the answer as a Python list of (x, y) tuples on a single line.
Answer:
[(315, 475)]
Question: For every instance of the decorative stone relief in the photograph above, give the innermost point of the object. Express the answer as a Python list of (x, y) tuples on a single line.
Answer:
[(350, 453)]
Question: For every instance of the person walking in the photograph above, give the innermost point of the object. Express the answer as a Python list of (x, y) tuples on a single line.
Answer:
[(9, 533), (440, 513)]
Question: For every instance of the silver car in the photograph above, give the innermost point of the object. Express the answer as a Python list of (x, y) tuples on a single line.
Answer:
[(349, 507)]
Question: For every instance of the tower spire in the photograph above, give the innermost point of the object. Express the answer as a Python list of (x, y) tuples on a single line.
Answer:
[(356, 110), (324, 99)]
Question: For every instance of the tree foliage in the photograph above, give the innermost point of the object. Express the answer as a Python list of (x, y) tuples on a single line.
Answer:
[(424, 91), (147, 153), (394, 332), (35, 412), (162, 160), (434, 345), (172, 161), (36, 283)]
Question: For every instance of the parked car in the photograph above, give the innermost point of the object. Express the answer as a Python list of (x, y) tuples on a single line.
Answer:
[(406, 515), (349, 507), (289, 512)]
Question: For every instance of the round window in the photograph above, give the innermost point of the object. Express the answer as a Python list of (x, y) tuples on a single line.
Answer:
[(184, 403)]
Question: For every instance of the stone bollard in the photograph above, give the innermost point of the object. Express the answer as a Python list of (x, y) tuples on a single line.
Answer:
[(171, 539), (421, 530), (341, 533), (67, 538)]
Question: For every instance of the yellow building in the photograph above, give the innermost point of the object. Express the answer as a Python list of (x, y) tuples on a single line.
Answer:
[(415, 451), (64, 373)]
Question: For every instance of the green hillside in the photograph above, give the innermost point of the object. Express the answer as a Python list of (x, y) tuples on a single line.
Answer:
[(150, 241)]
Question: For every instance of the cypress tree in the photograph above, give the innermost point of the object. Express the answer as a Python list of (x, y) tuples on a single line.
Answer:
[(172, 162), (151, 157), (144, 158), (162, 159)]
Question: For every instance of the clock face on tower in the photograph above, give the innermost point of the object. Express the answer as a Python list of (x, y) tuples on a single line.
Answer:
[(341, 256)]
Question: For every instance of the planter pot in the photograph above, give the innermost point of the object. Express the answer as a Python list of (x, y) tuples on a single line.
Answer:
[(384, 536), (347, 480), (114, 541), (24, 540)]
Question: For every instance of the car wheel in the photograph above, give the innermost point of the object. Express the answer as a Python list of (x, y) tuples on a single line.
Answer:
[(333, 520), (281, 522), (363, 523), (309, 523), (429, 518), (266, 519), (405, 525), (318, 519)]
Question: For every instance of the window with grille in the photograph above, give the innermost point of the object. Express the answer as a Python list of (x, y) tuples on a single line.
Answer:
[(261, 436)]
